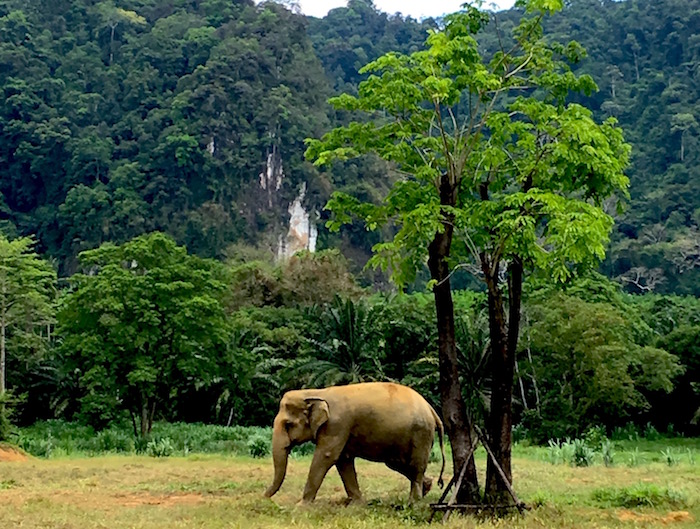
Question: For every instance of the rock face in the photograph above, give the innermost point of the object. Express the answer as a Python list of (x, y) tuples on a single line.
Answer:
[(271, 178), (302, 234)]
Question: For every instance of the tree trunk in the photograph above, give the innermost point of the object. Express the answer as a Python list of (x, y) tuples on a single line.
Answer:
[(144, 414), (504, 341), (682, 146), (457, 424), (133, 422), (151, 416), (3, 341), (111, 43)]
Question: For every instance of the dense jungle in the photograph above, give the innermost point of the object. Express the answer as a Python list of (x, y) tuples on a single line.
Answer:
[(152, 153)]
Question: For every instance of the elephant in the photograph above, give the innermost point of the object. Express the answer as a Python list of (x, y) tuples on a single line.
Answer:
[(377, 421)]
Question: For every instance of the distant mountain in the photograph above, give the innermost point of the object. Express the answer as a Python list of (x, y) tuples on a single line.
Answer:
[(122, 117)]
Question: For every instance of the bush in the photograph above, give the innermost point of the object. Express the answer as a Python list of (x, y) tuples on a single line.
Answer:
[(259, 446), (608, 453), (114, 441), (583, 454), (6, 407), (70, 438), (635, 458), (595, 436), (670, 457), (640, 495), (37, 447), (651, 433), (160, 447), (554, 453), (305, 449), (625, 433)]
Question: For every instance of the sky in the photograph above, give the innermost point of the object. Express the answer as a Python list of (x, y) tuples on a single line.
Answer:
[(414, 8)]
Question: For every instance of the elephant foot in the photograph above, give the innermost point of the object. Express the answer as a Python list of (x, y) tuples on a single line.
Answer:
[(353, 500), (427, 485)]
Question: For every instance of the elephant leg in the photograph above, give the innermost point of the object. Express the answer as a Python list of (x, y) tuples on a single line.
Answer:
[(417, 486), (427, 485), (420, 485), (324, 458), (346, 469)]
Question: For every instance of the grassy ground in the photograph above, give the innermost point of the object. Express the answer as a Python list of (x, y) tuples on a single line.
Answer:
[(210, 491)]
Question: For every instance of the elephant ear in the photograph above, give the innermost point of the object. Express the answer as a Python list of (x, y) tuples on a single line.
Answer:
[(318, 414)]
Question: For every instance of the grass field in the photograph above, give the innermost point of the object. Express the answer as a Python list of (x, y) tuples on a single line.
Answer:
[(215, 491)]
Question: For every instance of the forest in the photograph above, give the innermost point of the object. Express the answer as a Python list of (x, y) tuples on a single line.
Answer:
[(150, 151)]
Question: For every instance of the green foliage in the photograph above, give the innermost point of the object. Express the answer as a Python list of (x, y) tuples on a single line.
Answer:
[(120, 120), (347, 349), (47, 439), (27, 307), (651, 433), (6, 403), (595, 437), (259, 446), (607, 452), (635, 459), (640, 495), (420, 94), (303, 280), (148, 316), (583, 454), (591, 365), (670, 457), (628, 432), (162, 447)]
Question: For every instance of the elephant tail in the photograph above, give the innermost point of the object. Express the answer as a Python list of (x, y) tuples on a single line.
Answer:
[(441, 434)]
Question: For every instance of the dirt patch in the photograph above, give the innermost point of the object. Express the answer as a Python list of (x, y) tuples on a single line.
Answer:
[(10, 453), (97, 501), (136, 500), (670, 517)]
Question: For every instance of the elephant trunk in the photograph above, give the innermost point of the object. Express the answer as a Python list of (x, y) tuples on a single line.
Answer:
[(280, 455)]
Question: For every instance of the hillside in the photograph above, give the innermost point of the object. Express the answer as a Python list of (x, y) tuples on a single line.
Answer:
[(123, 117)]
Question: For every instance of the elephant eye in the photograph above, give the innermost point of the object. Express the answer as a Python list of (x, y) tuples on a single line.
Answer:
[(287, 425)]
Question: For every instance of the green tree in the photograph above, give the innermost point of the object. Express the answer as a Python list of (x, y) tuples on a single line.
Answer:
[(514, 183), (593, 366), (683, 123), (145, 321), (27, 292), (347, 349)]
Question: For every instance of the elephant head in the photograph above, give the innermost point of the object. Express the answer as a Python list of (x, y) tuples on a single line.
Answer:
[(299, 420)]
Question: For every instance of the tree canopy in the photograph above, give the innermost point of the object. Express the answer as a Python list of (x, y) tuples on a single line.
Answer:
[(144, 316)]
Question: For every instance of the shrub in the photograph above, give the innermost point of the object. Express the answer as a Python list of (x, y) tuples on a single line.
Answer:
[(670, 457), (554, 452), (540, 498), (37, 447), (259, 446), (651, 433), (305, 449), (608, 453), (640, 495), (635, 458), (595, 436), (114, 441), (160, 447), (5, 412), (626, 433), (73, 438), (583, 454)]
